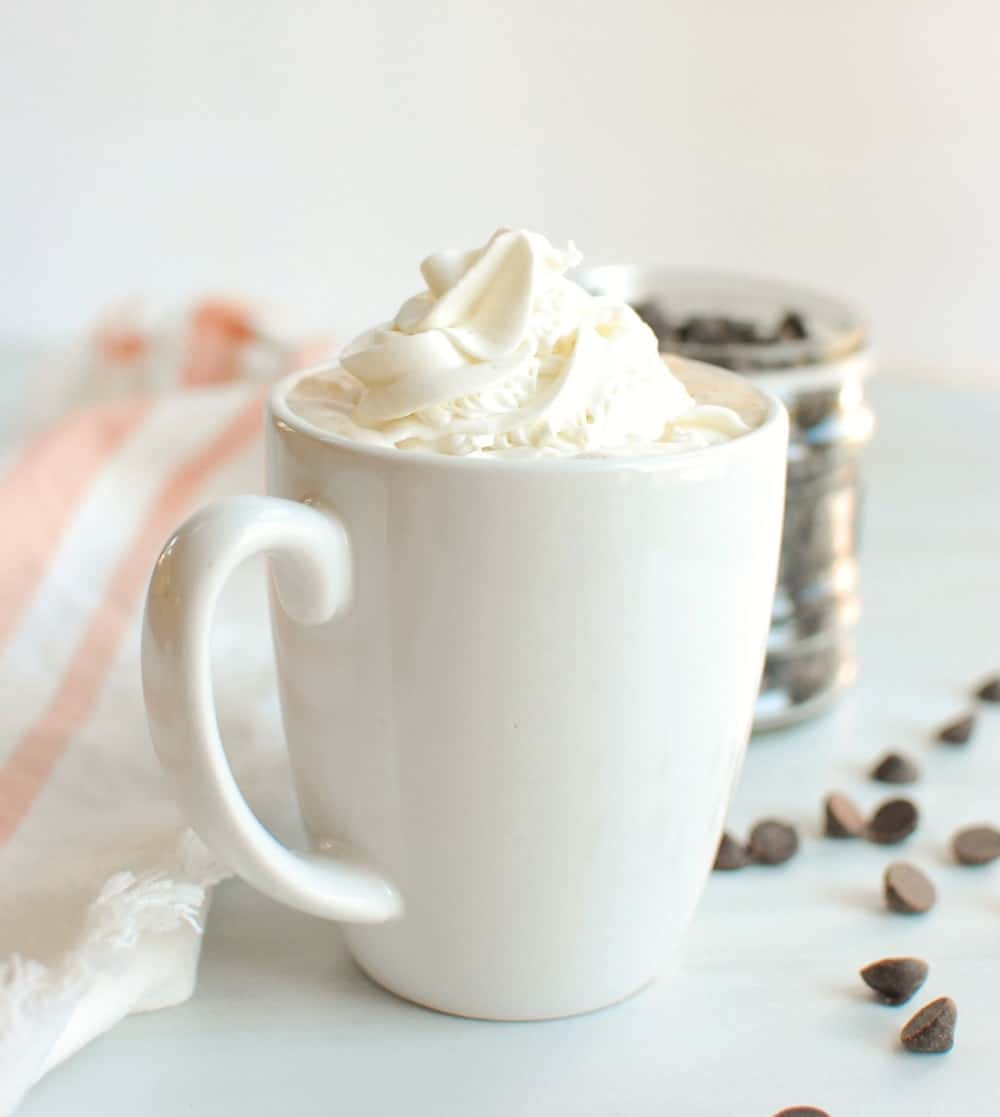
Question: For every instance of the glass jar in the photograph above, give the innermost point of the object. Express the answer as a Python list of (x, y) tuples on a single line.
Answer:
[(817, 367)]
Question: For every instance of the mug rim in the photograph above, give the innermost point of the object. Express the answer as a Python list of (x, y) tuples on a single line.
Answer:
[(281, 415)]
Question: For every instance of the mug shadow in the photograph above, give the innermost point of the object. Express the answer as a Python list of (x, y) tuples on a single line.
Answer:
[(263, 949), (259, 954)]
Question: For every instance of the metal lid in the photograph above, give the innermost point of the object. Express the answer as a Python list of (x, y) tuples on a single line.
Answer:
[(835, 331)]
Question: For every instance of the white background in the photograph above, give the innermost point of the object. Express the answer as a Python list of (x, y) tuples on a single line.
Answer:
[(312, 153)]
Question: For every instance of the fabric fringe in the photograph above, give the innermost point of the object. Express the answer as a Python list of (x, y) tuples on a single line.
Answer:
[(37, 1001)]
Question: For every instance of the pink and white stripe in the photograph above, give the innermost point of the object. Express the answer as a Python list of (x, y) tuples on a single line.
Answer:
[(94, 860)]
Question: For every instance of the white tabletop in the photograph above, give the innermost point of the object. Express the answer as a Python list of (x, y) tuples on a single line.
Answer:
[(765, 1009)]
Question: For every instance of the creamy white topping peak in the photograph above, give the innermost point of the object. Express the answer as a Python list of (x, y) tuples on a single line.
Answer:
[(502, 354)]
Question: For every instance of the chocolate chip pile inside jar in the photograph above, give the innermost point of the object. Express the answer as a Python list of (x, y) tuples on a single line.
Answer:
[(811, 351)]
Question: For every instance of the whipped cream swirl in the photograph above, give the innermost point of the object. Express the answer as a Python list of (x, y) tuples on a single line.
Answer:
[(502, 354)]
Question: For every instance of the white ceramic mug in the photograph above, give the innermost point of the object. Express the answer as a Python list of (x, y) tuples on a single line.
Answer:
[(516, 695)]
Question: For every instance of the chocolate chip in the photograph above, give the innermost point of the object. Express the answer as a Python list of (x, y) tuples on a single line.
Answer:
[(895, 980), (656, 318), (893, 821), (842, 819), (773, 842), (976, 845), (717, 330), (957, 732), (706, 330), (802, 1111), (895, 768), (990, 690), (791, 327), (907, 889), (743, 332), (932, 1030), (731, 855)]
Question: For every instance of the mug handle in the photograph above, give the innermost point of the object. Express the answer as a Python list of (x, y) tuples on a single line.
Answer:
[(312, 572)]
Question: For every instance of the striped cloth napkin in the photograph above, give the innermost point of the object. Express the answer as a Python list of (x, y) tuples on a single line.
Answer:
[(103, 889)]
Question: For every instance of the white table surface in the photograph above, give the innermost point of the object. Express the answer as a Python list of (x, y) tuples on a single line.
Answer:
[(765, 1009)]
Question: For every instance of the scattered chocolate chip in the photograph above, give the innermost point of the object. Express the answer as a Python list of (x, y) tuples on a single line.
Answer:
[(895, 980), (791, 328), (990, 690), (957, 732), (907, 889), (842, 819), (931, 1030), (976, 845), (894, 767), (893, 821), (730, 855), (773, 842), (802, 1111)]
